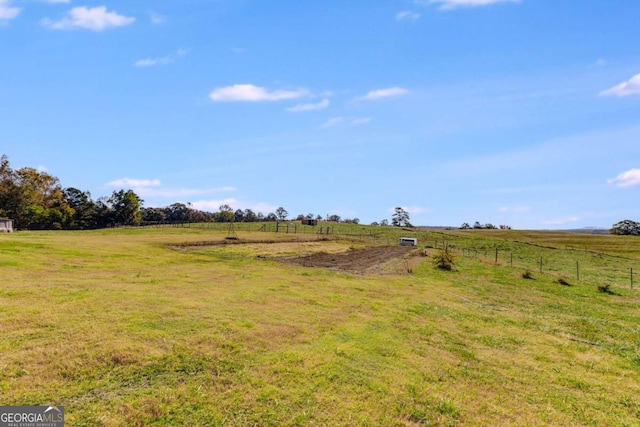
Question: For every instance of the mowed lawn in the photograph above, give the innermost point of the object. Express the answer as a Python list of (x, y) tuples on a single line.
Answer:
[(123, 329)]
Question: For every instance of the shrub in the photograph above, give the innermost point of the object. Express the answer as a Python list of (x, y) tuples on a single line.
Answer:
[(605, 289), (444, 260)]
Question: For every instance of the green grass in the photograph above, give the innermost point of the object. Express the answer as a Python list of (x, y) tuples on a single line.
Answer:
[(122, 328)]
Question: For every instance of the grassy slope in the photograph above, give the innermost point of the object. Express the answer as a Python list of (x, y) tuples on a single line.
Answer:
[(125, 331)]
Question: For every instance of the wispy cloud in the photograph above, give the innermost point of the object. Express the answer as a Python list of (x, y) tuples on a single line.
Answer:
[(157, 18), (406, 15), (383, 93), (8, 12), (455, 4), (630, 87), (252, 93), (131, 182), (154, 188), (361, 121), (165, 60), (89, 18), (514, 209), (630, 178), (309, 107), (335, 121)]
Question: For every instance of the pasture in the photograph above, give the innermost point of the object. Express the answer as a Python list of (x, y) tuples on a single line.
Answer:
[(171, 326)]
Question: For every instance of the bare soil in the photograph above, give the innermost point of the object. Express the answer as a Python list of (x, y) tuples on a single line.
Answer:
[(370, 260)]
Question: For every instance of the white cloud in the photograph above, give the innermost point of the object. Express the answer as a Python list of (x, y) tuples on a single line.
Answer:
[(630, 178), (8, 12), (130, 182), (630, 87), (406, 15), (455, 4), (153, 188), (90, 18), (252, 93), (514, 209), (165, 60), (561, 221), (383, 93), (309, 107)]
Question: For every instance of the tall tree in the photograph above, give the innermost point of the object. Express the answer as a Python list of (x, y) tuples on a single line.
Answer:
[(282, 214), (225, 214), (84, 209), (400, 218), (125, 206)]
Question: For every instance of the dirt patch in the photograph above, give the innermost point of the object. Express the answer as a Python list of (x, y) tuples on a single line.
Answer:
[(370, 260)]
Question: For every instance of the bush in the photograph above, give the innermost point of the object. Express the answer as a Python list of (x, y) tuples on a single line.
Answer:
[(444, 260), (605, 289)]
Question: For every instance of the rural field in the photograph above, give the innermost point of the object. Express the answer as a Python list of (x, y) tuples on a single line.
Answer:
[(181, 326)]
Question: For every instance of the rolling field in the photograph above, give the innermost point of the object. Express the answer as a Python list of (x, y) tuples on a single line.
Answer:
[(169, 326)]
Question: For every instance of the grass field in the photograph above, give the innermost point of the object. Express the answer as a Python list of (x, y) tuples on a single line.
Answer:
[(159, 327)]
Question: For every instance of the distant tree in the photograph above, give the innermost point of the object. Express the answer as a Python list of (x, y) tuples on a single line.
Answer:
[(178, 212), (334, 218), (39, 202), (384, 222), (400, 218), (250, 216), (375, 224), (309, 216), (271, 217), (505, 227), (125, 207), (490, 226), (224, 214), (157, 215), (104, 213), (626, 227), (300, 217), (465, 226), (477, 225), (84, 209), (281, 214), (238, 216), (318, 217), (260, 217)]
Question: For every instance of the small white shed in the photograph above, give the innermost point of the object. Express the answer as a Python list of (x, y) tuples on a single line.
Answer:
[(6, 225), (408, 241)]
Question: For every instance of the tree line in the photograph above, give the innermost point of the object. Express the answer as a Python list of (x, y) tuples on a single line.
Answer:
[(36, 200)]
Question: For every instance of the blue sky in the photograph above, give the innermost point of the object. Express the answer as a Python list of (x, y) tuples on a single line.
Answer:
[(523, 113)]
